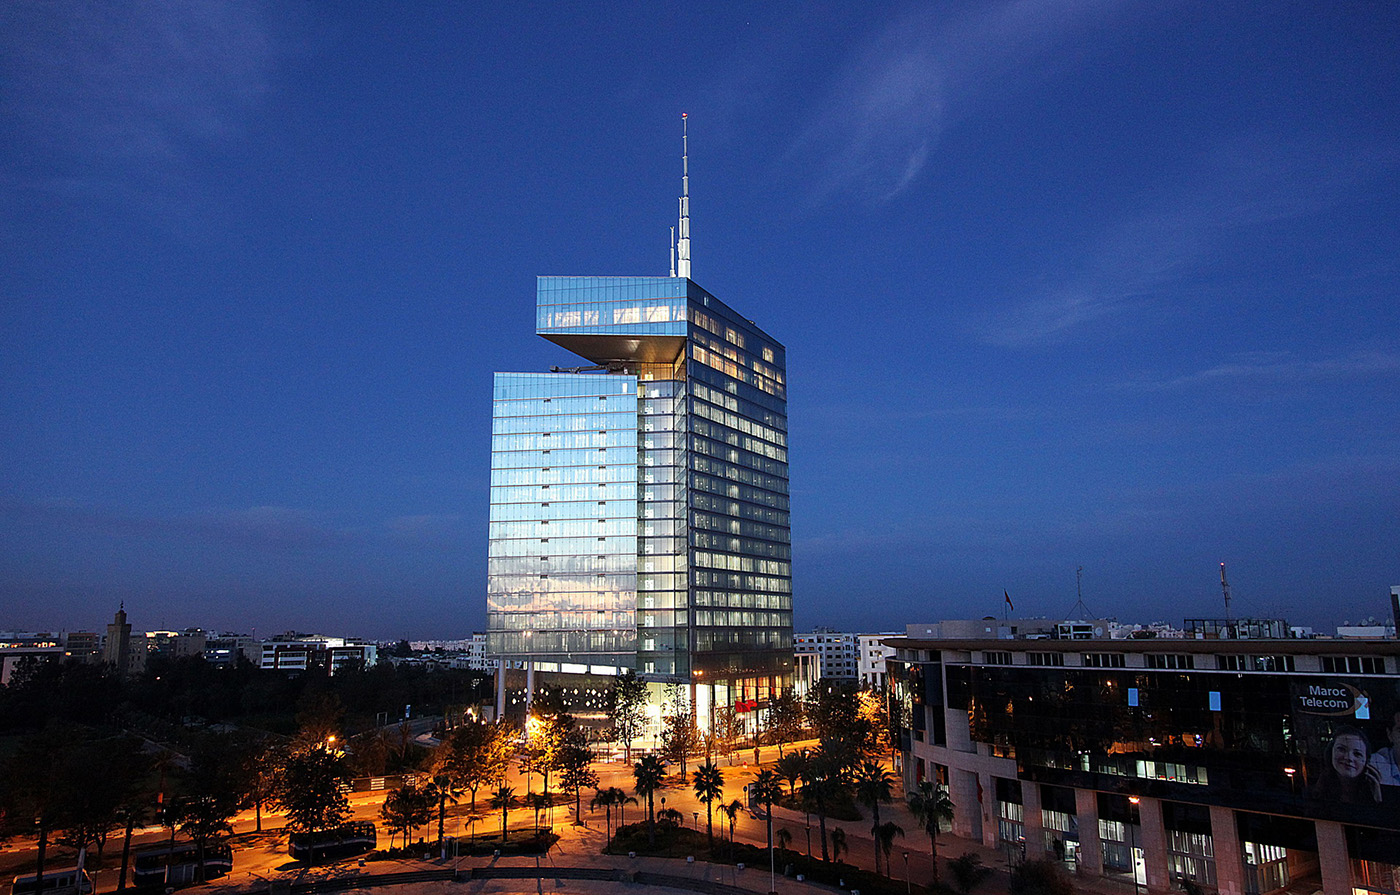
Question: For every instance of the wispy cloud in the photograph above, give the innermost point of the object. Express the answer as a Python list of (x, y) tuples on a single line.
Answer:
[(1246, 185), (1278, 368), (114, 98), (888, 106)]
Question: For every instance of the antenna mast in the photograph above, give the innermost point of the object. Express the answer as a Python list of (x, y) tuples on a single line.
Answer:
[(683, 244), (673, 251), (1225, 588), (1079, 588)]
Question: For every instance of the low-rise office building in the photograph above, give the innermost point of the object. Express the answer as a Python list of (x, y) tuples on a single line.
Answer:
[(1239, 764), (297, 653)]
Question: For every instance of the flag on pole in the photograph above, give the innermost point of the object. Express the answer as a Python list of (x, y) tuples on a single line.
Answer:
[(1008, 599)]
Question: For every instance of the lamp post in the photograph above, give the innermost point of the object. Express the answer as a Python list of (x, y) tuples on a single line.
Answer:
[(772, 864), (1132, 843), (907, 887)]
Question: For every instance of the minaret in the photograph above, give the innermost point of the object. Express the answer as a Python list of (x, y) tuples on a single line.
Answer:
[(683, 244)]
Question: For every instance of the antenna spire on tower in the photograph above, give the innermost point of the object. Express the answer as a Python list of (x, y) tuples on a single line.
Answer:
[(1225, 587), (683, 243)]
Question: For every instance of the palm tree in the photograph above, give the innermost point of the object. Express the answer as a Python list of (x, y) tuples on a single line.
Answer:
[(709, 785), (445, 789), (824, 778), (732, 812), (539, 801), (792, 767), (873, 786), (649, 775), (767, 789), (884, 838), (503, 798), (605, 799), (622, 801), (784, 838), (931, 808), (838, 844)]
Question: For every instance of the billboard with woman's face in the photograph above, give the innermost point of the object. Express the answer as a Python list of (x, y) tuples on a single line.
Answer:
[(1348, 734)]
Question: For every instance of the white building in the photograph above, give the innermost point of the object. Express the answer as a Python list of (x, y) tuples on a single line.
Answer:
[(837, 653), (872, 655)]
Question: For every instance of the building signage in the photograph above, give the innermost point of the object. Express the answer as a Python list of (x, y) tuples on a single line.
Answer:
[(1335, 700)]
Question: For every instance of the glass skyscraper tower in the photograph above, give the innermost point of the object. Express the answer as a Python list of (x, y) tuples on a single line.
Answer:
[(639, 503)]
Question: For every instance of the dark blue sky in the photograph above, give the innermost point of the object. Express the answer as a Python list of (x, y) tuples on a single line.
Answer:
[(1062, 284)]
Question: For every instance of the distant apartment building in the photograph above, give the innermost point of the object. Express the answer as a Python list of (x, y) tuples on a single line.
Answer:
[(229, 649), (871, 655), (475, 657), (83, 646), (1224, 757), (298, 653), (177, 644), (837, 653)]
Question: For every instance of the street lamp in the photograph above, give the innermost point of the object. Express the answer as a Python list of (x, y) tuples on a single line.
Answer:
[(1132, 843), (809, 840), (907, 888)]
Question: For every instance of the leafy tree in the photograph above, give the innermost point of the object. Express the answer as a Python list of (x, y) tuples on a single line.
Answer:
[(212, 788), (834, 711), (37, 773), (100, 774), (728, 730), (874, 786), (931, 808), (405, 809), (474, 754), (308, 790), (709, 785), (576, 767), (627, 700), (549, 727), (503, 799), (649, 775), (133, 767), (260, 760), (680, 738), (784, 718), (320, 716), (1040, 878)]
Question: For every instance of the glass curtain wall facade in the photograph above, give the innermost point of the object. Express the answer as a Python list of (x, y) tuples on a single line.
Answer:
[(691, 580)]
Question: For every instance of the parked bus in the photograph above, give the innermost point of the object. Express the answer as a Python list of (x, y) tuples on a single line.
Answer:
[(57, 881), (179, 865), (344, 841)]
